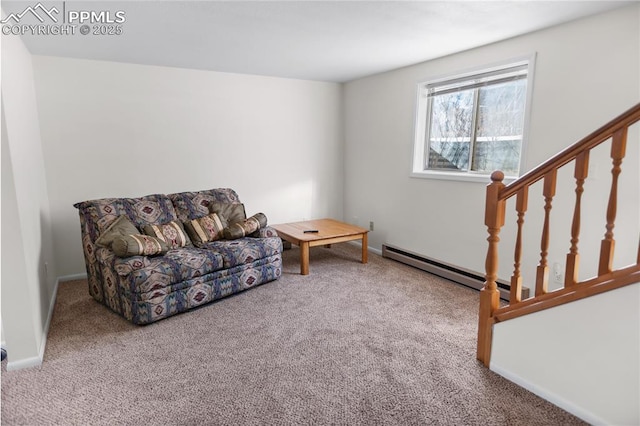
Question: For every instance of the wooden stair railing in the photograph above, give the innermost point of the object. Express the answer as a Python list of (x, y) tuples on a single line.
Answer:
[(496, 197)]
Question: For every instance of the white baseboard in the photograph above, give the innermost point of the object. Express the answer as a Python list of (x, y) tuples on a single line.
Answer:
[(553, 398), (371, 249), (45, 332), (36, 361), (72, 277)]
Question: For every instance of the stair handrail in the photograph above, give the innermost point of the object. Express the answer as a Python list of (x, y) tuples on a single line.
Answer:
[(587, 143), (495, 208)]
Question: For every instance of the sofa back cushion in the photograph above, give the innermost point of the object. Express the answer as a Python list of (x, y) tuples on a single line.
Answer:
[(101, 213), (192, 205)]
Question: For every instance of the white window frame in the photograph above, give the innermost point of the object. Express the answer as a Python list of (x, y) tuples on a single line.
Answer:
[(420, 142)]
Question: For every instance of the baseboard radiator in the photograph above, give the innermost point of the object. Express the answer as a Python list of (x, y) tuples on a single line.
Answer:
[(451, 272)]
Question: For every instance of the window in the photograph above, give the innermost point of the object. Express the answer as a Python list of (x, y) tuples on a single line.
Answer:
[(469, 125)]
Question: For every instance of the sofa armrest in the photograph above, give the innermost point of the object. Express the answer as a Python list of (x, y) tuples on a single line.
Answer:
[(122, 266), (104, 256), (266, 232)]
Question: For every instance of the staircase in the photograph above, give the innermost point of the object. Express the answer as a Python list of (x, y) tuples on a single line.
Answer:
[(607, 278)]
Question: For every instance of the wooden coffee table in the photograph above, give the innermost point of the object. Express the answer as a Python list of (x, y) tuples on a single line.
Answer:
[(330, 231)]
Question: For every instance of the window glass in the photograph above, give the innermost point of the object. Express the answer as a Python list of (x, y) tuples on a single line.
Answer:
[(473, 124), (450, 132), (500, 127)]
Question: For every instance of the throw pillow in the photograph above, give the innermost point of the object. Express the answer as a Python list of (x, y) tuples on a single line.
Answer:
[(138, 245), (246, 227), (171, 233), (205, 229), (121, 226), (231, 212)]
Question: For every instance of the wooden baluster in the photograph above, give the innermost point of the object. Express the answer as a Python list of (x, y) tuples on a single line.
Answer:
[(607, 246), (489, 295), (516, 278), (573, 257), (549, 190)]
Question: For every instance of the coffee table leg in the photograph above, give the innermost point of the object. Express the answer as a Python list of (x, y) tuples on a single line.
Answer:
[(365, 248), (304, 258)]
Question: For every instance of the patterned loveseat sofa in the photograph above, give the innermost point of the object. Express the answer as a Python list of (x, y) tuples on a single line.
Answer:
[(144, 289)]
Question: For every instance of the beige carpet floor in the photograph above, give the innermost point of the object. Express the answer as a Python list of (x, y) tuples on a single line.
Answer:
[(349, 344)]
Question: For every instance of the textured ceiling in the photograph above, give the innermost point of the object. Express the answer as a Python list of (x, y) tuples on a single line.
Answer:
[(315, 40)]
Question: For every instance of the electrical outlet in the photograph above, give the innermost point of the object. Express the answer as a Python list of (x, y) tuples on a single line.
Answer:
[(371, 226)]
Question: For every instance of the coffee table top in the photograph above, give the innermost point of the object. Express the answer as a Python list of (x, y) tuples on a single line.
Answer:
[(327, 228)]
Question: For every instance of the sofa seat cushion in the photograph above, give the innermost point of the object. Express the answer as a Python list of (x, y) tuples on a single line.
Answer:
[(161, 303), (245, 250), (143, 274)]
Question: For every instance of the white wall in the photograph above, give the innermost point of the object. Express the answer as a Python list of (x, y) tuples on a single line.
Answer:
[(587, 72), (28, 288), (122, 130), (590, 365)]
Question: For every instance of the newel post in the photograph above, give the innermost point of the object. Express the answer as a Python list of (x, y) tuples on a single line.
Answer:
[(489, 295)]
